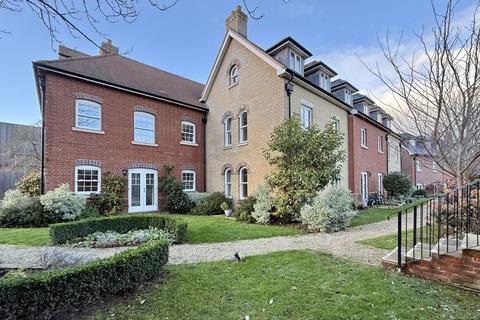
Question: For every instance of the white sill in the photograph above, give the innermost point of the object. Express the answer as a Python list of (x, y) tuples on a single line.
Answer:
[(381, 152), (227, 147), (364, 147), (242, 144), (145, 144), (189, 143), (233, 85), (88, 130), (193, 190)]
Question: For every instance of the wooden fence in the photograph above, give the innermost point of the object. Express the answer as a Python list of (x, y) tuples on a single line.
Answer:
[(8, 178)]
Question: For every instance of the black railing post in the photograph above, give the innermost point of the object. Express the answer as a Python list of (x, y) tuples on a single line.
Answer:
[(478, 209), (439, 223), (414, 227), (447, 220), (467, 211), (399, 241)]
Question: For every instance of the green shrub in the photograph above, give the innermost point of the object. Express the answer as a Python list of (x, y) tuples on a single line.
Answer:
[(197, 197), (263, 206), (329, 211), (211, 205), (19, 210), (67, 231), (61, 201), (419, 193), (245, 208), (111, 199), (29, 184), (397, 184), (175, 200), (43, 295)]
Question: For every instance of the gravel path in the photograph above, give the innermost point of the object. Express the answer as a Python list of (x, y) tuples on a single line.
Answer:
[(342, 244)]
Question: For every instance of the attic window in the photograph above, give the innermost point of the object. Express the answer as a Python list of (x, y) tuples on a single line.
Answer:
[(324, 81), (295, 62), (233, 75), (348, 98)]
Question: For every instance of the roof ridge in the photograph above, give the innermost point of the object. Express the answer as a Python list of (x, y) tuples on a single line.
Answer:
[(73, 59)]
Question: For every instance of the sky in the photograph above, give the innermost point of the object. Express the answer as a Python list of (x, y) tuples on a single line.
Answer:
[(186, 38)]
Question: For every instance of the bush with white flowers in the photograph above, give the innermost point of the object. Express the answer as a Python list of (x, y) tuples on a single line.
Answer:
[(263, 206), (62, 201), (329, 211), (15, 200)]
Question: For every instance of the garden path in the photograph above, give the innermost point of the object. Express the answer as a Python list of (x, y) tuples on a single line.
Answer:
[(341, 244)]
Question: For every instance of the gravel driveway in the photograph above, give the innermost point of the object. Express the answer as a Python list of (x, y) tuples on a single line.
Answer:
[(341, 244)]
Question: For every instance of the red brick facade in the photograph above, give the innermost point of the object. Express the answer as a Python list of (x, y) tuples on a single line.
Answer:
[(365, 159), (114, 150), (428, 177)]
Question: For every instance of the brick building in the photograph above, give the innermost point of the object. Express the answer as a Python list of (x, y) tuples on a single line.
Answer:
[(109, 113)]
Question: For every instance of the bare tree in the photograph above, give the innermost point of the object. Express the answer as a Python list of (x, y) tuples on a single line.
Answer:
[(437, 91), (67, 15)]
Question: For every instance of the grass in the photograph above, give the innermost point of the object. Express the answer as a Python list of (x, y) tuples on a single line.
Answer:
[(25, 236), (389, 241), (291, 285), (375, 214), (201, 229)]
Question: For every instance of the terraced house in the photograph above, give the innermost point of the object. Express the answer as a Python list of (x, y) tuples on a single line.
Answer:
[(109, 113)]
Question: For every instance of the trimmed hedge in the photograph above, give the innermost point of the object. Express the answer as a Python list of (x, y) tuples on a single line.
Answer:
[(44, 295), (63, 232)]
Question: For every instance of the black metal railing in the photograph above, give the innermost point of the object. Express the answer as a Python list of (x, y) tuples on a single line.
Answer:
[(443, 224)]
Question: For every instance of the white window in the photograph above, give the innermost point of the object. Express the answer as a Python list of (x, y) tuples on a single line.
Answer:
[(347, 97), (365, 108), (364, 185), (88, 115), (434, 166), (380, 183), (227, 129), (324, 81), (336, 183), (188, 180), (306, 116), (380, 144), (418, 166), (144, 127), (419, 186), (228, 182), (87, 179), (295, 62), (243, 188), (188, 132), (243, 127), (363, 137), (233, 75), (336, 125)]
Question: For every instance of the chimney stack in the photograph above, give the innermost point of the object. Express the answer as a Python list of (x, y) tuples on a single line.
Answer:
[(107, 48), (237, 21)]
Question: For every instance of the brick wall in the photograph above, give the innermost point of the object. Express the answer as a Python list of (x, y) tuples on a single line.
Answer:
[(114, 149), (365, 159)]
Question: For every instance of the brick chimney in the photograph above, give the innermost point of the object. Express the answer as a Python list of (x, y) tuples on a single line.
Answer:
[(237, 21), (107, 48)]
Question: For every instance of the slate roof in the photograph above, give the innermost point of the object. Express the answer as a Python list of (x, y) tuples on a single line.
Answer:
[(341, 82), (131, 74)]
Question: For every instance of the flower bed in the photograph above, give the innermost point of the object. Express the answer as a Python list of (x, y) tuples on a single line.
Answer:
[(43, 295), (69, 231)]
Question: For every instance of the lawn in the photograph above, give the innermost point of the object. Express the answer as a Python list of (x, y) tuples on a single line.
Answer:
[(201, 229), (291, 285), (375, 214)]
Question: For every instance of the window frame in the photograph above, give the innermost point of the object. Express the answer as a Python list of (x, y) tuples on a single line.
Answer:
[(227, 185), (309, 111), (99, 179), (227, 133), (336, 124), (241, 183), (293, 59), (189, 123), (363, 138), (418, 166), (91, 104), (348, 96), (135, 113), (364, 185), (380, 144), (233, 78), (241, 138), (380, 183), (194, 180)]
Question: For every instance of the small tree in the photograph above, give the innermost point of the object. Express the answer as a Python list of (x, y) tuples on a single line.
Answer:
[(29, 184), (111, 199), (397, 184), (304, 162), (175, 200)]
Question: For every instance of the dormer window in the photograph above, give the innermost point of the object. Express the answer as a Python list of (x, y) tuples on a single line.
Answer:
[(233, 75), (365, 108), (296, 62), (347, 97), (324, 81)]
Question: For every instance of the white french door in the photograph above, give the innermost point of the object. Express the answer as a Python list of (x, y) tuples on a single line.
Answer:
[(364, 185), (142, 190)]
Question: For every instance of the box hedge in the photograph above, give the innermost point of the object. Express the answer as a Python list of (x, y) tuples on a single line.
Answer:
[(64, 232), (44, 295)]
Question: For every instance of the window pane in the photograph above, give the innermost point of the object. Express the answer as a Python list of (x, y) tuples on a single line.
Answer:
[(88, 110), (87, 180), (244, 119), (90, 123)]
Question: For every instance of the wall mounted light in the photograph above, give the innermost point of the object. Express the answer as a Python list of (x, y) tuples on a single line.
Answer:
[(124, 172)]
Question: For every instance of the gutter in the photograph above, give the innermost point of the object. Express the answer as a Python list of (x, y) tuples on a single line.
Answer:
[(204, 121)]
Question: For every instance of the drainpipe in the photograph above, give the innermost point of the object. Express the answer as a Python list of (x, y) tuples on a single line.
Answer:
[(289, 89), (42, 164), (204, 121)]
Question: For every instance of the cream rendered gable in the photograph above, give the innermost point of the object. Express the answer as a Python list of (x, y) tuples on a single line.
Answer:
[(259, 91)]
